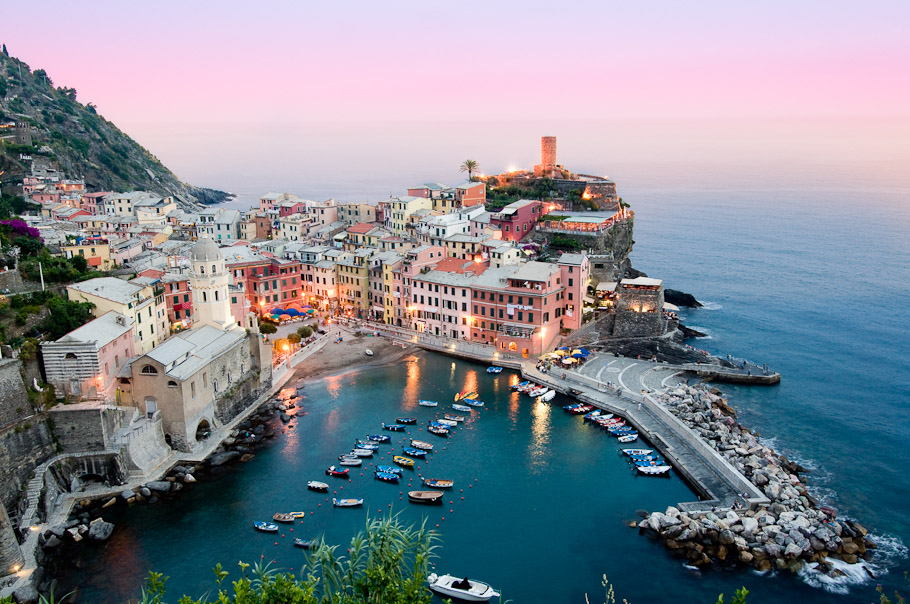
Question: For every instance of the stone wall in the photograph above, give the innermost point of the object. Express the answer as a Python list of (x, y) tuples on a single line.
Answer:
[(23, 447), (14, 403), (10, 556), (86, 427)]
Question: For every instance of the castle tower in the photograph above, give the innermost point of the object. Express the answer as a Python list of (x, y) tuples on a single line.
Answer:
[(211, 304), (548, 152)]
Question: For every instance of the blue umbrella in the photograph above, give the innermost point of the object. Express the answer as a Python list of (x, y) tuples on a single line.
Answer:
[(563, 348), (277, 311), (292, 312), (584, 352)]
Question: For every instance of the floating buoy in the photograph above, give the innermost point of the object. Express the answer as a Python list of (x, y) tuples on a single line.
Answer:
[(462, 498), (276, 543)]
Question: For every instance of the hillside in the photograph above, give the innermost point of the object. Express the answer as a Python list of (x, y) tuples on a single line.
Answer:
[(75, 139)]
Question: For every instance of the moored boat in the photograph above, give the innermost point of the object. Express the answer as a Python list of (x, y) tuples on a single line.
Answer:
[(389, 469), (519, 385), (438, 483), (653, 470), (347, 503), (315, 485), (414, 452), (644, 463), (359, 444), (379, 438), (638, 451), (406, 420), (438, 430), (463, 408), (393, 427), (421, 444), (549, 396), (386, 476), (494, 369), (473, 402), (305, 543), (347, 460), (265, 527), (539, 391), (427, 403), (333, 471), (462, 589), (362, 452), (447, 422), (403, 461), (454, 418), (629, 438), (425, 496), (283, 517)]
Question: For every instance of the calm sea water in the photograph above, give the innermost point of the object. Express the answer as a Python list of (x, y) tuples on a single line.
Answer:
[(803, 268)]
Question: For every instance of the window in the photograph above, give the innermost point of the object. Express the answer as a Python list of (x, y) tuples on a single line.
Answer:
[(171, 384), (186, 297), (530, 317), (193, 389), (204, 297), (148, 369), (205, 380), (570, 280)]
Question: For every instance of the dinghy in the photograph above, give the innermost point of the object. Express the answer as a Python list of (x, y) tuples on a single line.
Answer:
[(420, 444), (393, 427), (454, 418), (347, 503), (438, 483), (305, 543), (425, 496), (265, 527), (629, 438), (389, 469), (427, 403), (638, 451), (549, 396), (403, 461), (315, 485), (333, 471), (494, 369), (653, 470), (406, 420), (463, 408), (414, 452), (386, 476), (379, 438), (519, 385)]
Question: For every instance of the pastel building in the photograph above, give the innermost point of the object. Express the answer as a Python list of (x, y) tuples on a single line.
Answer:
[(517, 220)]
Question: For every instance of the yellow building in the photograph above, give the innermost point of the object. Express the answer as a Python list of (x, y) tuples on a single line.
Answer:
[(400, 210), (97, 253), (354, 280)]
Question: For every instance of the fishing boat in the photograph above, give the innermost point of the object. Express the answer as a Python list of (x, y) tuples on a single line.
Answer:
[(519, 385), (549, 396), (359, 444), (347, 460), (572, 406), (386, 476), (454, 418), (403, 461), (446, 422), (379, 438), (363, 452), (283, 517), (315, 485), (494, 369), (389, 469), (368, 352), (653, 470), (528, 387), (265, 527), (305, 543), (414, 452), (638, 451), (472, 402), (582, 409), (462, 408), (427, 403), (333, 471), (425, 496), (406, 420), (393, 427), (468, 590), (347, 503), (420, 444), (629, 438), (438, 483), (438, 430)]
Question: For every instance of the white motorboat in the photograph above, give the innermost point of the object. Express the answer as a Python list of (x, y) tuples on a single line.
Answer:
[(638, 451), (427, 403), (629, 438), (363, 452), (653, 470), (345, 460), (447, 422), (473, 591), (537, 391), (548, 396)]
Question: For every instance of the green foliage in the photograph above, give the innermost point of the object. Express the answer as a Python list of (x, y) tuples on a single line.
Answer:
[(305, 331), (3, 88), (564, 242), (56, 269), (65, 316), (79, 263), (738, 598), (28, 246), (294, 338), (267, 328), (898, 598), (470, 166)]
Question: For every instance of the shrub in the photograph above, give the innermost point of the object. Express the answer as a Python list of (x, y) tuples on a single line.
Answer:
[(267, 328), (305, 332)]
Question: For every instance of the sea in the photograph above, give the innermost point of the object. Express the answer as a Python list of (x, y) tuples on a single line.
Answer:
[(803, 267)]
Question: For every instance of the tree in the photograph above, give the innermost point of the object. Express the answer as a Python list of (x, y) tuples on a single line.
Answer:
[(470, 166), (65, 316), (267, 328), (305, 331), (79, 263), (29, 246), (294, 338)]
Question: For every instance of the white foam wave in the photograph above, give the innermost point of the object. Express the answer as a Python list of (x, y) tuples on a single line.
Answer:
[(889, 552), (711, 306), (704, 330)]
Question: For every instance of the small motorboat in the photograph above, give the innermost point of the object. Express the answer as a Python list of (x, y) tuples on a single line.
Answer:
[(638, 451), (549, 396), (284, 517), (333, 471), (454, 418), (447, 422), (379, 438), (406, 420), (359, 444), (644, 463), (403, 461), (519, 385), (315, 485), (462, 408), (461, 589), (420, 444), (629, 438), (362, 452), (368, 352), (425, 496), (427, 403), (438, 430), (494, 369), (393, 427), (473, 402), (572, 406), (265, 527), (347, 460), (438, 483), (389, 469), (643, 457), (653, 470), (539, 391), (414, 452), (347, 503), (593, 416), (387, 476), (305, 543)]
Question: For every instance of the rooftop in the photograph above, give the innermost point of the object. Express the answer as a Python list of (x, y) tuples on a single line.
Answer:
[(101, 331), (641, 282), (109, 288)]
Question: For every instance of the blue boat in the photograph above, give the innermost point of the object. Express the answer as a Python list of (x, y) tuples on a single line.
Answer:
[(653, 462), (494, 369), (438, 483), (414, 452), (406, 420), (379, 438), (393, 427), (473, 402), (387, 477), (366, 445), (462, 408), (643, 457), (519, 385), (265, 527), (389, 469)]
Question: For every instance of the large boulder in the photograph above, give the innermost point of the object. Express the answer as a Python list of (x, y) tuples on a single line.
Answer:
[(100, 531), (26, 595), (793, 550), (726, 537), (223, 458), (749, 524), (159, 486)]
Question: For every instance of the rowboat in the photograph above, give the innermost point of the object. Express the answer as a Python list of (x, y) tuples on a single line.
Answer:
[(425, 496), (629, 438), (403, 461), (653, 470), (494, 369), (363, 452), (283, 517), (454, 418), (379, 438), (465, 394), (427, 403), (406, 420), (389, 469), (386, 476), (393, 427), (305, 543), (593, 416), (549, 396), (347, 460), (414, 452), (265, 527), (638, 451), (359, 444), (438, 483), (347, 503), (463, 408), (438, 430), (519, 385), (333, 471), (447, 422), (473, 402), (420, 444), (572, 406), (315, 485), (649, 463), (468, 590)]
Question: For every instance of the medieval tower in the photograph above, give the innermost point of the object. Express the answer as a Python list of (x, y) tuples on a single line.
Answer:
[(211, 304), (547, 157)]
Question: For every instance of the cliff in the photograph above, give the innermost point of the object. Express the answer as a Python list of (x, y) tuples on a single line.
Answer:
[(42, 122)]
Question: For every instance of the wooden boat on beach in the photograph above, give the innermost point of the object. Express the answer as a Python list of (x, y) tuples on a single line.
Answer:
[(467, 590), (425, 496), (265, 527)]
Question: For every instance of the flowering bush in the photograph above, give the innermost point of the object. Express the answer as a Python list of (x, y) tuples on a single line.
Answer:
[(18, 227)]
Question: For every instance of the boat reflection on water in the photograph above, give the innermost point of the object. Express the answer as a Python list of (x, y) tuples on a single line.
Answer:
[(538, 447)]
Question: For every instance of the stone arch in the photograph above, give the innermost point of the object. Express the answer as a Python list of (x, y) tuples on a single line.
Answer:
[(203, 429)]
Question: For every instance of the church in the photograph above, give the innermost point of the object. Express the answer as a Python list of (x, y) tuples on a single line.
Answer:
[(200, 379)]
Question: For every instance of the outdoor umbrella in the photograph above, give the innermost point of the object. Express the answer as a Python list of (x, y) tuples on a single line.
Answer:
[(292, 312), (568, 361)]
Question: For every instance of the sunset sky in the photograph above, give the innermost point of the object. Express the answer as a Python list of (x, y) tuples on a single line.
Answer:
[(208, 86)]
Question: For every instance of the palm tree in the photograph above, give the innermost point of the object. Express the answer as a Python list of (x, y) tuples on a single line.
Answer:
[(469, 166)]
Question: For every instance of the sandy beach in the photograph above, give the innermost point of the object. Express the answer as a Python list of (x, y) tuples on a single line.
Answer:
[(350, 355)]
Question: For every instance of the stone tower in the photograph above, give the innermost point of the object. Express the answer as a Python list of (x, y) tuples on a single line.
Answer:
[(10, 555), (211, 304), (548, 152)]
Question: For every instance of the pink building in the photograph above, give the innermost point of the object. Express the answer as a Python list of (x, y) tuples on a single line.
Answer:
[(441, 298), (287, 208), (93, 203), (517, 220)]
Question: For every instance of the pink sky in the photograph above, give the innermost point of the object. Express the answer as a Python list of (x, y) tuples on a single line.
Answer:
[(175, 74)]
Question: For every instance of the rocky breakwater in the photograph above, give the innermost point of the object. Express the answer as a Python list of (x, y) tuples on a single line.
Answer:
[(789, 532)]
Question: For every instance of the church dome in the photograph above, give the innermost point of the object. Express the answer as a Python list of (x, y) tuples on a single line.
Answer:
[(206, 250)]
